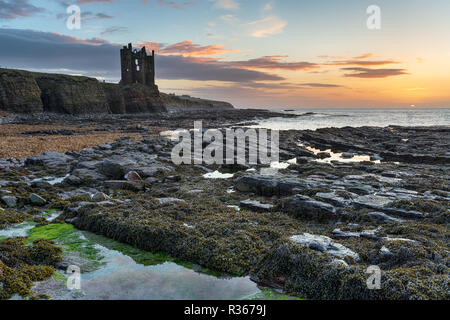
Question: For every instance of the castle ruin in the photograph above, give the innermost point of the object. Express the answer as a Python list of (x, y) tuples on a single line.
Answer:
[(137, 66)]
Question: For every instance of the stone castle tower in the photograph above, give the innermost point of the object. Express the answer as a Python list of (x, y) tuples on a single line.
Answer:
[(137, 66)]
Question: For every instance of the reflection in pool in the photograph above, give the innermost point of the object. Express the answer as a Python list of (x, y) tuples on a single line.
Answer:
[(218, 175), (124, 272), (123, 278), (337, 156)]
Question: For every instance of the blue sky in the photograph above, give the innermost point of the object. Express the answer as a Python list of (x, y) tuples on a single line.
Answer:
[(254, 53)]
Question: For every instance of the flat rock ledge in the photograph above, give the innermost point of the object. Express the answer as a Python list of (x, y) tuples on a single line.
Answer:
[(324, 244)]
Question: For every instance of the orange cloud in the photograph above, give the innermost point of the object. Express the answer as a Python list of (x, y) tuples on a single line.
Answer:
[(358, 61), (362, 63), (364, 56), (373, 73), (187, 49)]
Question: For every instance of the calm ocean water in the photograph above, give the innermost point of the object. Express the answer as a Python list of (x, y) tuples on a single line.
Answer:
[(338, 118)]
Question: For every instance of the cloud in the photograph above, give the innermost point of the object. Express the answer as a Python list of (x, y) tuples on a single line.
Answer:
[(373, 73), (103, 16), (39, 51), (186, 48), (364, 56), (270, 25), (322, 85), (92, 1), (288, 85), (268, 7), (176, 5), (227, 4), (274, 62), (177, 67), (358, 61), (362, 63), (87, 15), (228, 18), (13, 9), (115, 29)]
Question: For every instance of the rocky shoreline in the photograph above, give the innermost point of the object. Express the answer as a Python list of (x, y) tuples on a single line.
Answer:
[(351, 199)]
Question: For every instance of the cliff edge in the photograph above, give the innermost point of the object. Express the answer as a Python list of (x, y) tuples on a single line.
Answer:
[(32, 92), (180, 103)]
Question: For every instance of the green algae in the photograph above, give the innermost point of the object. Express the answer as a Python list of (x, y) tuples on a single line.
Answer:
[(48, 212), (268, 294), (68, 237)]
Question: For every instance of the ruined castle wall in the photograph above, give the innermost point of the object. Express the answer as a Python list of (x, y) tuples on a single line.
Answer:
[(137, 67)]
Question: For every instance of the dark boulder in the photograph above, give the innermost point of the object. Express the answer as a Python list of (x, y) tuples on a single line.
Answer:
[(268, 185), (303, 206)]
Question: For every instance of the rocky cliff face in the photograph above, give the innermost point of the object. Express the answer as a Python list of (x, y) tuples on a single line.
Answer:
[(72, 95), (115, 98), (30, 92), (19, 92), (142, 99), (134, 98)]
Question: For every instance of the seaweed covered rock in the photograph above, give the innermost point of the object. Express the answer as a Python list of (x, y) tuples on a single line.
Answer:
[(9, 217), (315, 275), (303, 206), (268, 185), (22, 264), (37, 199), (256, 206), (125, 185), (10, 201)]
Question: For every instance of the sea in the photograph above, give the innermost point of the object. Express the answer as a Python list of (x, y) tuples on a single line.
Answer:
[(339, 118)]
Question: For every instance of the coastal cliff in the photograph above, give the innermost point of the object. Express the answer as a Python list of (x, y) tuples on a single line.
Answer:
[(19, 92), (175, 103), (31, 92)]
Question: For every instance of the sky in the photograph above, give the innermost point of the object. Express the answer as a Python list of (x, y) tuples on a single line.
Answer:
[(252, 53)]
